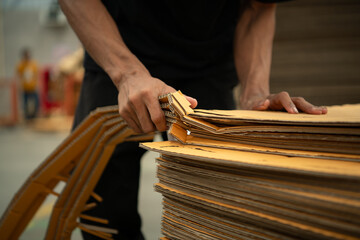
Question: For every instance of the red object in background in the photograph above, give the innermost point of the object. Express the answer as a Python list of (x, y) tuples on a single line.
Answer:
[(46, 103)]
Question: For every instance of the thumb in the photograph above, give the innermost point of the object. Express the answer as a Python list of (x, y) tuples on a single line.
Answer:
[(193, 102)]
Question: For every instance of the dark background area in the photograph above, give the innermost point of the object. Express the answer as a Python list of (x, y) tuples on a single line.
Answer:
[(316, 51)]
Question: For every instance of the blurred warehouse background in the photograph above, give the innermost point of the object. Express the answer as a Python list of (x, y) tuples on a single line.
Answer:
[(316, 55)]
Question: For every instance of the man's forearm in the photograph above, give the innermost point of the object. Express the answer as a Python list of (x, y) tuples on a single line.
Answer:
[(253, 49), (101, 38), (252, 52), (138, 91)]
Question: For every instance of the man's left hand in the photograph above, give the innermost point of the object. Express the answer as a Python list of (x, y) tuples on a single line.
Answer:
[(281, 101)]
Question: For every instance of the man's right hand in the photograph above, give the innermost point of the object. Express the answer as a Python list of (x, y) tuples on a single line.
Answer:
[(139, 102), (138, 91)]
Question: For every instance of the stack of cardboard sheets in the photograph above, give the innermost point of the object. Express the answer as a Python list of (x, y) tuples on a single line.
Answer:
[(259, 175)]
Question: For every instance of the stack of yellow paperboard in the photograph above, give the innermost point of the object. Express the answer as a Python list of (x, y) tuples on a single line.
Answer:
[(262, 175)]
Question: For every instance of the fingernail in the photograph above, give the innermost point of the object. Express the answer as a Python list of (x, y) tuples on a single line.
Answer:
[(295, 109), (324, 109), (320, 109)]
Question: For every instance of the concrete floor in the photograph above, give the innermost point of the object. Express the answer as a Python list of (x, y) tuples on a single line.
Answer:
[(23, 149)]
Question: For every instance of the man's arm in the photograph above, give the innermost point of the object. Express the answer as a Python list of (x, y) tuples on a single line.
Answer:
[(252, 52), (138, 90)]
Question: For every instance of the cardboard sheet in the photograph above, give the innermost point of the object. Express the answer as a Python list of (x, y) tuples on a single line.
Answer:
[(239, 214), (345, 115), (257, 160), (335, 132), (259, 175), (78, 162)]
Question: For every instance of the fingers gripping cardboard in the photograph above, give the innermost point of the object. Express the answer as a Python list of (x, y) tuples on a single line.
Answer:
[(263, 175)]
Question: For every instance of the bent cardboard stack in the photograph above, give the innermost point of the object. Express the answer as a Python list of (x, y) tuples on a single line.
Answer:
[(78, 162), (259, 175)]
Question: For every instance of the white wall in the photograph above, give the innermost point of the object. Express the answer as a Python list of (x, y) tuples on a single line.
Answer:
[(22, 27)]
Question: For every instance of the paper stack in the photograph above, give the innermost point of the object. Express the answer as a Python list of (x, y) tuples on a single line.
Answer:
[(259, 175)]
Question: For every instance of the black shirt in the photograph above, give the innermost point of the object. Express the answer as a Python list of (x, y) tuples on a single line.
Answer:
[(177, 39)]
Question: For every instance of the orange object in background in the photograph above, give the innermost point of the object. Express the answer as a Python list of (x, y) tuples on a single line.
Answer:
[(12, 116), (72, 85)]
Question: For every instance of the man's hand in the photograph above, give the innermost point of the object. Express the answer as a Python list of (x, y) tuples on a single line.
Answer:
[(281, 101), (138, 91), (139, 102), (252, 51)]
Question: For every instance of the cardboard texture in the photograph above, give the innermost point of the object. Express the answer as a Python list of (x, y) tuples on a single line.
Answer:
[(79, 162), (259, 175), (231, 175)]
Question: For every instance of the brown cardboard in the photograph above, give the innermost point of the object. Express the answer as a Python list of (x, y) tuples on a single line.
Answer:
[(345, 115), (261, 218), (79, 162), (257, 160), (286, 175), (34, 191), (70, 191), (232, 175)]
